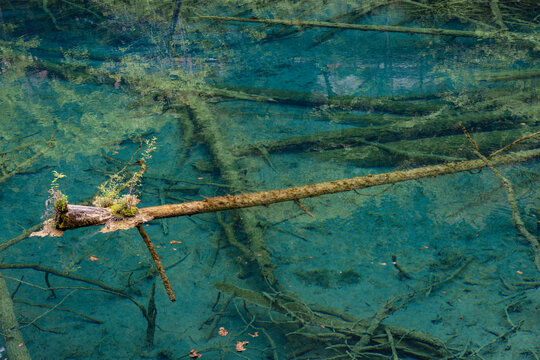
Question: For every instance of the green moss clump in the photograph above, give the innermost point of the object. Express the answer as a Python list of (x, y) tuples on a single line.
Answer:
[(121, 209), (130, 211)]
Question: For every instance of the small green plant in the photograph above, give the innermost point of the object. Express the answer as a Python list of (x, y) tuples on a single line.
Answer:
[(58, 200), (57, 203), (110, 192)]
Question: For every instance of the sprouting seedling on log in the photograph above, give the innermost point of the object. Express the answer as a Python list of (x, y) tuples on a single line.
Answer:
[(57, 202), (110, 203), (110, 192)]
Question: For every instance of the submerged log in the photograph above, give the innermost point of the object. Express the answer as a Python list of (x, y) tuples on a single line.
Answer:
[(9, 326), (410, 129), (384, 28), (426, 151), (228, 168), (75, 216), (509, 75), (389, 104)]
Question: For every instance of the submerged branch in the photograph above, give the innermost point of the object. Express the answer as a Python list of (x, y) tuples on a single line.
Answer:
[(27, 162), (157, 261), (516, 216)]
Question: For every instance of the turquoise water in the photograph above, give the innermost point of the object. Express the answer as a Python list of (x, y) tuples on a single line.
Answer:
[(231, 105)]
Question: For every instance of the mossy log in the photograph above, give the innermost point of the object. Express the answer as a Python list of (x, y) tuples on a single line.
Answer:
[(75, 216), (208, 126), (432, 150), (9, 327), (531, 41), (412, 129), (399, 105)]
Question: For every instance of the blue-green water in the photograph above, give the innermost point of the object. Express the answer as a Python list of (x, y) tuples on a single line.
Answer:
[(98, 78)]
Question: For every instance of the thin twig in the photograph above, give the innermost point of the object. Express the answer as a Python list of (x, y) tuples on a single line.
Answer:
[(63, 274), (86, 317), (48, 311), (119, 293), (301, 206)]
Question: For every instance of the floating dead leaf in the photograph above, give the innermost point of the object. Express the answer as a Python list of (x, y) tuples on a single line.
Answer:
[(240, 345)]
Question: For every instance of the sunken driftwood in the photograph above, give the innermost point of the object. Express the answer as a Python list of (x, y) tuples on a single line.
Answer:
[(388, 104), (382, 28), (13, 340), (340, 332), (80, 216), (218, 146), (405, 130)]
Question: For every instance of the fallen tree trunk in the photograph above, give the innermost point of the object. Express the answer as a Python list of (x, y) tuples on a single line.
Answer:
[(412, 129), (13, 340), (389, 104), (425, 151), (228, 168), (384, 28), (79, 216), (509, 75)]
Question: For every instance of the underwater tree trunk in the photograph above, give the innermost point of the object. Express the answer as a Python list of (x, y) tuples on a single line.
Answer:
[(393, 105), (226, 162), (420, 128), (13, 340), (384, 28)]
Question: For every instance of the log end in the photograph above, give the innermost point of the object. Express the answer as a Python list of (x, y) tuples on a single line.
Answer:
[(48, 230)]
